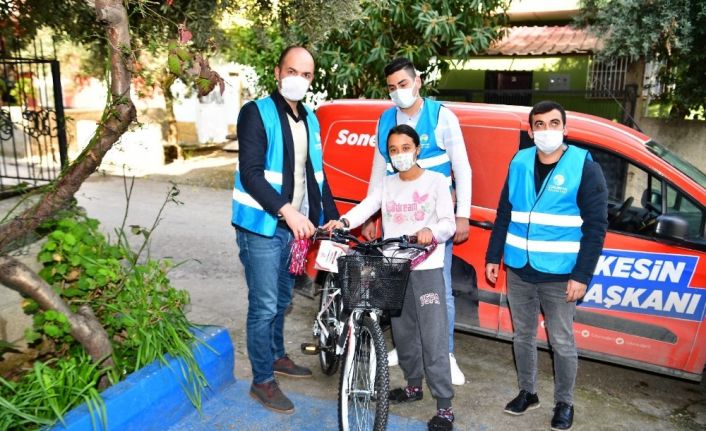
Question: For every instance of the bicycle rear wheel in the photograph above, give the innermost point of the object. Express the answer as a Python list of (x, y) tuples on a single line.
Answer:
[(330, 317), (365, 382)]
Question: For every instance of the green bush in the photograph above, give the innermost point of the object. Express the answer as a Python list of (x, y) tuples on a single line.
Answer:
[(135, 303)]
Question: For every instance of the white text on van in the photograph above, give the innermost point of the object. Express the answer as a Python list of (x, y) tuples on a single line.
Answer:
[(346, 137)]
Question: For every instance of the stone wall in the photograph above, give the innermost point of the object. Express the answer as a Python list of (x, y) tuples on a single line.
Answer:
[(186, 130), (684, 137)]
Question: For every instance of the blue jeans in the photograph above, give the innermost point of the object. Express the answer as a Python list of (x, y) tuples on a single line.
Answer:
[(450, 306), (525, 300), (269, 294)]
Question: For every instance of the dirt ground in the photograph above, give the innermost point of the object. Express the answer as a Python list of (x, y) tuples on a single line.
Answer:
[(210, 168)]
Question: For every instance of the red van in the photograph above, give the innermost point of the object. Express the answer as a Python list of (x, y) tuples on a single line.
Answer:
[(645, 305)]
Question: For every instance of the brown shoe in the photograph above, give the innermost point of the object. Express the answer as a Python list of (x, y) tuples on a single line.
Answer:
[(286, 367), (270, 396)]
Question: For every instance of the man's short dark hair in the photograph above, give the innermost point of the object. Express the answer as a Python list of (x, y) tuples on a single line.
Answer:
[(399, 64), (404, 129), (284, 53), (545, 106)]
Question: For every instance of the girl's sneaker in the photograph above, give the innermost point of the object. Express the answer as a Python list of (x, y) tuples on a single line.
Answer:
[(443, 421), (406, 395)]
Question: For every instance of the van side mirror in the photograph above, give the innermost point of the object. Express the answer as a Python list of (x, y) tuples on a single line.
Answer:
[(671, 227)]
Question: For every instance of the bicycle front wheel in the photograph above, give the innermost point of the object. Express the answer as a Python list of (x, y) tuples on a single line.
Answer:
[(365, 381), (329, 318)]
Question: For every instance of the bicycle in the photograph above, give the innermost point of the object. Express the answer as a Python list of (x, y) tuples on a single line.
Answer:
[(347, 325)]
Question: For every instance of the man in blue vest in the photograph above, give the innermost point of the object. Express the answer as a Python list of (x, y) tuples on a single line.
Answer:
[(280, 194), (443, 150), (549, 230)]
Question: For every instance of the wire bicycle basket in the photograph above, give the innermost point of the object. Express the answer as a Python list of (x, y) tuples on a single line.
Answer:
[(373, 281)]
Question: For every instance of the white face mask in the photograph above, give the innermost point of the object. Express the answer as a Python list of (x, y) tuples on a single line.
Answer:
[(403, 97), (294, 88), (403, 161), (547, 141)]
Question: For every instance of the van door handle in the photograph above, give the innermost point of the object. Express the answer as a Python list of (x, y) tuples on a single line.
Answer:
[(487, 225)]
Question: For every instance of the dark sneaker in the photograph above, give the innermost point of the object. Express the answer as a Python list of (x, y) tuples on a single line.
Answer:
[(440, 423), (563, 417), (270, 396), (404, 395), (523, 401), (286, 367)]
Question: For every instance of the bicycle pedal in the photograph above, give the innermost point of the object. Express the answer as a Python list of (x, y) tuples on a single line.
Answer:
[(310, 349)]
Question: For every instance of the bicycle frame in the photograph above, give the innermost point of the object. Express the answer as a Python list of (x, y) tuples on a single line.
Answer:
[(353, 324), (343, 327), (355, 341), (334, 296), (340, 236)]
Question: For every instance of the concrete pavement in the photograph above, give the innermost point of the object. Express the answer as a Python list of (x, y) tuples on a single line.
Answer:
[(198, 234)]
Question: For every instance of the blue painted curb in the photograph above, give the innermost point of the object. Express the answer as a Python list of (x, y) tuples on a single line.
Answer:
[(152, 398)]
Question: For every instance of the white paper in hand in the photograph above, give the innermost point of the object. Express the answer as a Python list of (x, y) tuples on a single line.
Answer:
[(329, 252)]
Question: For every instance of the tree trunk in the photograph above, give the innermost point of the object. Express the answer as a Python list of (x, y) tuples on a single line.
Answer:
[(118, 115), (85, 327), (166, 81)]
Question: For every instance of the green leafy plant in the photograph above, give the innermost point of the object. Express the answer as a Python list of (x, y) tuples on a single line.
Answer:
[(132, 298), (668, 33), (48, 391), (353, 41)]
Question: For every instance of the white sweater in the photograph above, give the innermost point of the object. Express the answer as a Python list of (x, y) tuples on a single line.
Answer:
[(408, 207), (448, 137)]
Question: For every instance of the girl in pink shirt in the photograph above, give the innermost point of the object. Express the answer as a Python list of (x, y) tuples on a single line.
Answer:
[(415, 201)]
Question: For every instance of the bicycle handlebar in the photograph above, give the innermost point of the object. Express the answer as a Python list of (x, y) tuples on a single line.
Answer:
[(343, 236), (336, 235)]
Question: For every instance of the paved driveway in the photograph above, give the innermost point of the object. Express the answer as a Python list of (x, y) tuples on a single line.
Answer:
[(198, 233)]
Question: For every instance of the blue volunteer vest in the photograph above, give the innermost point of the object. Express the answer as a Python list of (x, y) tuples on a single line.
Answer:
[(545, 228), (247, 212), (431, 156)]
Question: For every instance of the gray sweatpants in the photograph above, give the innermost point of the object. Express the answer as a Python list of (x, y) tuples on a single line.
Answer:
[(421, 334)]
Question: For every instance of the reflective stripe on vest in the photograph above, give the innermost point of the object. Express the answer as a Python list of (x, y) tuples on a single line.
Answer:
[(432, 157), (247, 212), (545, 229)]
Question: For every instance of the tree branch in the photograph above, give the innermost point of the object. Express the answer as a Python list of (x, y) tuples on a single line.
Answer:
[(117, 117), (85, 327)]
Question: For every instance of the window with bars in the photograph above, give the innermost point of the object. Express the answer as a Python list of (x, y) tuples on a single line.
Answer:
[(606, 78)]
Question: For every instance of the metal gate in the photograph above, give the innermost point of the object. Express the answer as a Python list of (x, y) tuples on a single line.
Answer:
[(33, 146)]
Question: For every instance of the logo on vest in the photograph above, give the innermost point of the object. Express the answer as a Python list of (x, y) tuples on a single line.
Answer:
[(557, 183), (424, 140)]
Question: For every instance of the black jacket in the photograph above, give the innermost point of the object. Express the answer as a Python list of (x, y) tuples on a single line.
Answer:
[(252, 143)]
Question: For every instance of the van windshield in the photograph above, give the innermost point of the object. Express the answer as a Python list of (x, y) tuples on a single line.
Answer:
[(690, 170)]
